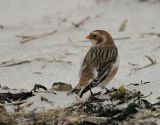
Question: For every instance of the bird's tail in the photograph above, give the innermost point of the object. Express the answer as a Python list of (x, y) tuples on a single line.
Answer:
[(75, 90)]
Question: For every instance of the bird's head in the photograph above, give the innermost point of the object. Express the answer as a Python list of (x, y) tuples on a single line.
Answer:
[(100, 38)]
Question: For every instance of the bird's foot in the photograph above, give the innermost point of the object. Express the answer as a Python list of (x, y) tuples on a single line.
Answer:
[(93, 96), (107, 91)]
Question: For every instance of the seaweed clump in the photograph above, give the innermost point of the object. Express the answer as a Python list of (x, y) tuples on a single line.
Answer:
[(116, 106)]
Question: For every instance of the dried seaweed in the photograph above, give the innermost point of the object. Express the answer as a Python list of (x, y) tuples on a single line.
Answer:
[(16, 63), (22, 106), (33, 37), (137, 84), (131, 109), (150, 34), (11, 97), (6, 62), (152, 62), (109, 106), (16, 96), (81, 22), (37, 87), (123, 25), (121, 38), (13, 62)]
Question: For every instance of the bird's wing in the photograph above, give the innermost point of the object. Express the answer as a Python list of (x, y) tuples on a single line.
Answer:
[(86, 73), (102, 75), (88, 67), (103, 61), (85, 78)]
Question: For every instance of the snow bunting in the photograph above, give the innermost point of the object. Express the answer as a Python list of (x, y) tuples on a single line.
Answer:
[(100, 63)]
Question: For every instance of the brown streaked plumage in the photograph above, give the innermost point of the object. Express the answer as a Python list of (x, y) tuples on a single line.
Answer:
[(100, 63)]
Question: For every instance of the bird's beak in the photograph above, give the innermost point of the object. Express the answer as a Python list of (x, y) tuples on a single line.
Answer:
[(88, 37)]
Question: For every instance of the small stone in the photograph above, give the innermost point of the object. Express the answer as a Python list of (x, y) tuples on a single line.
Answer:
[(59, 86)]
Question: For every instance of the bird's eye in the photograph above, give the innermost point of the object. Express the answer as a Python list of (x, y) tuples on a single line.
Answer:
[(94, 36)]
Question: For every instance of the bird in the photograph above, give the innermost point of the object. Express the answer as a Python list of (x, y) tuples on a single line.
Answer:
[(100, 64)]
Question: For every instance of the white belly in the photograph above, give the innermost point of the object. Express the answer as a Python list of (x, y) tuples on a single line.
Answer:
[(111, 74)]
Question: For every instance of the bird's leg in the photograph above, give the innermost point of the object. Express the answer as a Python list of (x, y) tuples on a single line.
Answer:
[(94, 94), (106, 91), (91, 92)]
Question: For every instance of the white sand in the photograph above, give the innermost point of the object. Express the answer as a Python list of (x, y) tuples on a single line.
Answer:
[(41, 16)]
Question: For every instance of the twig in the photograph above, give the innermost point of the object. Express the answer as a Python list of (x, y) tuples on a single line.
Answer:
[(5, 62), (10, 63), (153, 62), (66, 61), (14, 103), (137, 84), (150, 34), (95, 119), (39, 73), (16, 63), (133, 64), (121, 38), (26, 104), (123, 25), (46, 100), (81, 22), (145, 82), (33, 37), (147, 95), (150, 59), (37, 87)]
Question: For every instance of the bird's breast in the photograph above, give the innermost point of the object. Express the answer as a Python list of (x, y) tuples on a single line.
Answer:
[(112, 73), (116, 63)]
